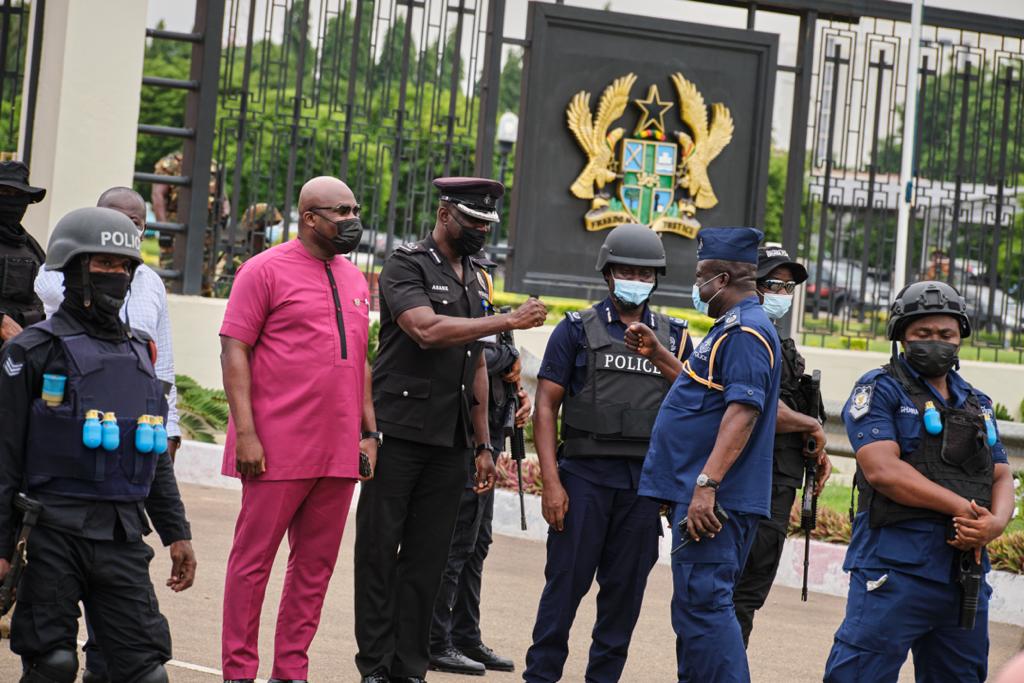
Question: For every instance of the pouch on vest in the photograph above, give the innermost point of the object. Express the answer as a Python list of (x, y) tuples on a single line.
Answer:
[(963, 442)]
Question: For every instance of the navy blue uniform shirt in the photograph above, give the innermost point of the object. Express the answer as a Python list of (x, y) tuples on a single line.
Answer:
[(916, 546), (565, 364), (747, 369)]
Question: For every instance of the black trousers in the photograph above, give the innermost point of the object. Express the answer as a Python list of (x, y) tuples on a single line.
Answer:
[(404, 523), (112, 579), (457, 608), (763, 561)]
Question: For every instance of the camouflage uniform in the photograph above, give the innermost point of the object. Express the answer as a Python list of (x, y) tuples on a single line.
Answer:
[(170, 165), (251, 239)]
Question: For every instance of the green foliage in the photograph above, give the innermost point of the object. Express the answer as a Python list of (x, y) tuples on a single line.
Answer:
[(373, 345), (511, 82), (1002, 412), (776, 195), (202, 412)]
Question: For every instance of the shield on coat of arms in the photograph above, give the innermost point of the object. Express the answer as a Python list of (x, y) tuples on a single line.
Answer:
[(648, 178)]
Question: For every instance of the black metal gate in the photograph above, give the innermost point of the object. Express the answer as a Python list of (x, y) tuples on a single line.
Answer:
[(15, 30), (966, 227), (383, 94)]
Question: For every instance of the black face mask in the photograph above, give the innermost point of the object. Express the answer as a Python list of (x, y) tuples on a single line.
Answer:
[(931, 358), (98, 308), (470, 240), (12, 209), (350, 231)]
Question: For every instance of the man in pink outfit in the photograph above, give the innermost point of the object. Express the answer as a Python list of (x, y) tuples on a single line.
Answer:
[(293, 354)]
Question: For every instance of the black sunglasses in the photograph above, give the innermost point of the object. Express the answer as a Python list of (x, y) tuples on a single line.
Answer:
[(776, 286), (342, 210)]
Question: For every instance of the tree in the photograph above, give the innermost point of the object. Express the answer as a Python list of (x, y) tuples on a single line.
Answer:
[(511, 82), (775, 199)]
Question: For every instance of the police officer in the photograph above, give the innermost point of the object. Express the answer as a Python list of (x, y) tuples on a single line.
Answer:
[(456, 645), (609, 397), (777, 277), (20, 255), (430, 398), (935, 489), (711, 453), (88, 543)]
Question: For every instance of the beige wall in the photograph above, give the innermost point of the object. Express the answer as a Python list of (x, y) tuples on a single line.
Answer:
[(195, 321), (87, 106)]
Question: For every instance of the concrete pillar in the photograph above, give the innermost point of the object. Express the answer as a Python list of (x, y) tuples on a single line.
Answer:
[(87, 104)]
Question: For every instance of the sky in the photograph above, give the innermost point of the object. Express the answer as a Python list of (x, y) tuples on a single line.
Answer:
[(178, 15)]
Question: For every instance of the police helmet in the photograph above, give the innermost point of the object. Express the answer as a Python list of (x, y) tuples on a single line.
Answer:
[(929, 297), (92, 230), (632, 245)]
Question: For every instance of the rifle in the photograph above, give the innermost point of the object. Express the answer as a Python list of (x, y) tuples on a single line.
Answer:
[(30, 510), (970, 586), (517, 441), (809, 502)]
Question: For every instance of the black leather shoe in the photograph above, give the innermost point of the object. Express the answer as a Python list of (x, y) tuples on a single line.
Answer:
[(92, 677), (486, 656), (379, 676), (452, 661), (408, 679)]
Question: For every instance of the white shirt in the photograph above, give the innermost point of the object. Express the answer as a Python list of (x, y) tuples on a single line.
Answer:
[(146, 311)]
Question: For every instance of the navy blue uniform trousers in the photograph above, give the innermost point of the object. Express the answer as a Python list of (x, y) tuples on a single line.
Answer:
[(610, 532), (709, 643), (906, 612)]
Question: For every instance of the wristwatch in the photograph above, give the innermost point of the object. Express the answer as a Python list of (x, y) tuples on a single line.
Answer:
[(483, 447), (704, 481), (376, 436)]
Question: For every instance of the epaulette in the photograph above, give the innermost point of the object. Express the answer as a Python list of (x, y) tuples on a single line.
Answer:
[(679, 322), (573, 316), (32, 337), (410, 247), (731, 319)]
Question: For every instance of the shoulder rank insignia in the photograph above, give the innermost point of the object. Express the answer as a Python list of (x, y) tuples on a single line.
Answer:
[(409, 247), (573, 316), (732, 319), (860, 402), (679, 322)]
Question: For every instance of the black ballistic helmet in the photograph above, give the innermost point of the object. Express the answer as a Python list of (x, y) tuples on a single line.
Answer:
[(929, 297), (630, 244)]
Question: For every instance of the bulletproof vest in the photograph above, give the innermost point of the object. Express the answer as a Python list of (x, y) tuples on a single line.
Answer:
[(788, 467), (102, 375), (614, 412), (19, 266), (957, 458)]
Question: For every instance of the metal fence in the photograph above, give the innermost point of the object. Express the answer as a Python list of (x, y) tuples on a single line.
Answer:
[(15, 59), (966, 227), (383, 94)]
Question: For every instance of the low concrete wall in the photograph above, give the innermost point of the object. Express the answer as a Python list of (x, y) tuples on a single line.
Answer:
[(199, 463)]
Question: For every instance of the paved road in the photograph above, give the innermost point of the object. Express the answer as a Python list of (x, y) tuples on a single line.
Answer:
[(789, 645)]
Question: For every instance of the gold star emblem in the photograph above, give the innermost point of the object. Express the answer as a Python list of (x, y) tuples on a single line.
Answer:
[(654, 112)]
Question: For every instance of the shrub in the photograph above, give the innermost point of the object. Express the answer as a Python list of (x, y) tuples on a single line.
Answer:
[(1002, 412), (1007, 552), (202, 412), (508, 477)]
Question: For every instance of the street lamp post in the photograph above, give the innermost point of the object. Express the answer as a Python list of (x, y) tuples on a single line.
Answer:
[(508, 129)]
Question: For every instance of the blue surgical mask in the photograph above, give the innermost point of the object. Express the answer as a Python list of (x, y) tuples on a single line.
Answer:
[(777, 305), (632, 293), (700, 304)]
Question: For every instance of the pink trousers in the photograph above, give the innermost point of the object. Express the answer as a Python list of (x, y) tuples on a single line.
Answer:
[(313, 512)]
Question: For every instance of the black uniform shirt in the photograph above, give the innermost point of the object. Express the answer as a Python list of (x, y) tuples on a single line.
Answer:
[(425, 395), (24, 360)]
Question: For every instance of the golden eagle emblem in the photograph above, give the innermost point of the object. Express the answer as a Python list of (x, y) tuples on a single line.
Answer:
[(650, 168)]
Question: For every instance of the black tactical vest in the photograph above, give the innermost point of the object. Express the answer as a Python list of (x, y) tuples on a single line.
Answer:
[(613, 414), (788, 469), (19, 265), (957, 458), (108, 376)]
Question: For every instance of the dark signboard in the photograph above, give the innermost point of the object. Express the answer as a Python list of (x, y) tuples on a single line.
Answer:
[(634, 119)]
